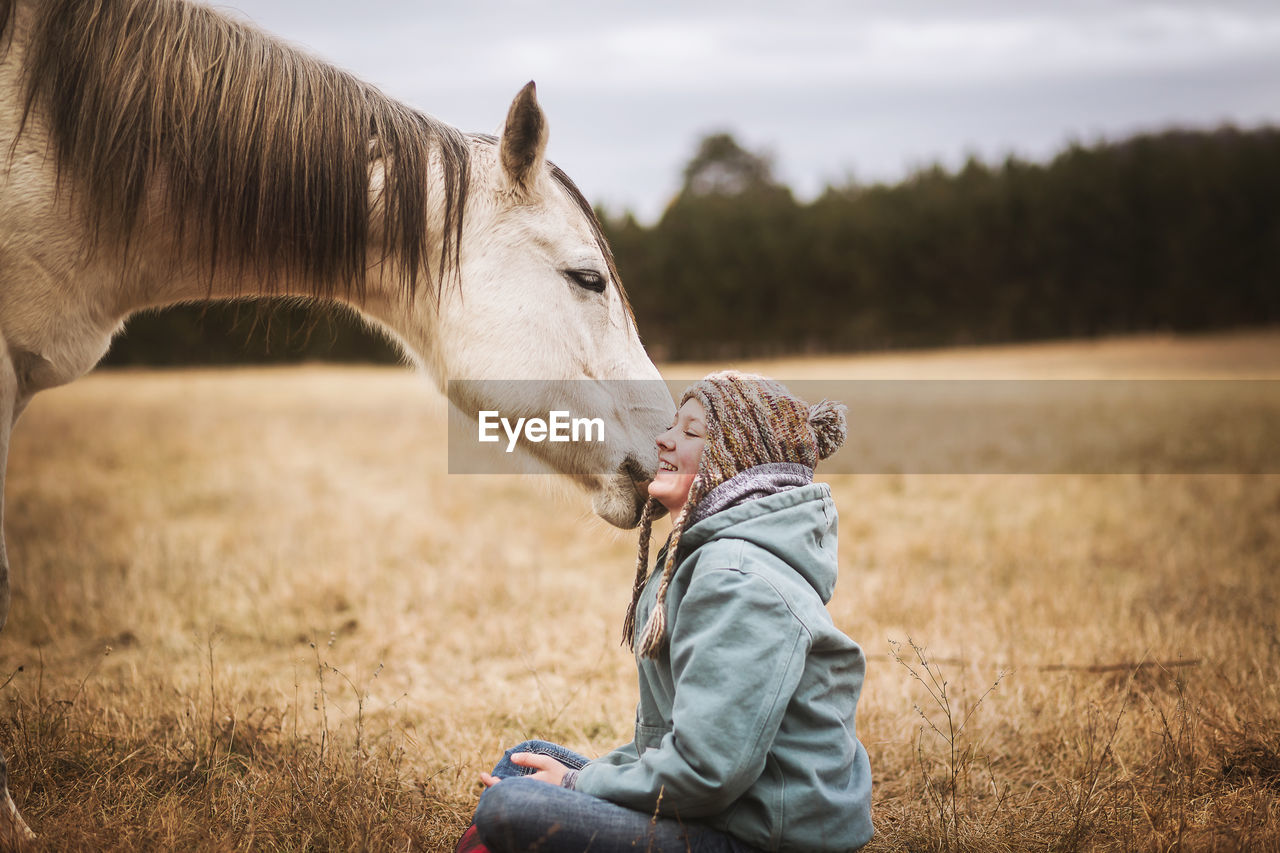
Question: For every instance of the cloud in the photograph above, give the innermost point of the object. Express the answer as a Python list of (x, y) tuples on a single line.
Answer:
[(830, 86)]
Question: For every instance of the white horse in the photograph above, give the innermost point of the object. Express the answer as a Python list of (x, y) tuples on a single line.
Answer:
[(153, 152)]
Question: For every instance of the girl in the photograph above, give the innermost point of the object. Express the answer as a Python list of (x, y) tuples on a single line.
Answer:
[(744, 736)]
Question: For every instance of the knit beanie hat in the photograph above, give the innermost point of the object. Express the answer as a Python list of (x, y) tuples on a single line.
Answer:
[(751, 421)]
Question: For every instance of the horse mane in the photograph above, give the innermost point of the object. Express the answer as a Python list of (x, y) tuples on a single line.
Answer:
[(263, 153)]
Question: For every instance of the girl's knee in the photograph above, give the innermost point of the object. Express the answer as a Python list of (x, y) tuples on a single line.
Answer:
[(530, 746), (507, 810), (506, 768)]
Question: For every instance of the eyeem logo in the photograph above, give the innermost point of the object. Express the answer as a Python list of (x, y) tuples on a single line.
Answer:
[(557, 427)]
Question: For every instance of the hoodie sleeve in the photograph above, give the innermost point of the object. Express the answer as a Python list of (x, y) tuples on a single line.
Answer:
[(737, 654), (624, 754)]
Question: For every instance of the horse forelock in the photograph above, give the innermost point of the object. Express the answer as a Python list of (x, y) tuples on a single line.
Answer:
[(260, 153)]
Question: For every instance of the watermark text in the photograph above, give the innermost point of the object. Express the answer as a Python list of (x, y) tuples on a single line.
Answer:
[(558, 426)]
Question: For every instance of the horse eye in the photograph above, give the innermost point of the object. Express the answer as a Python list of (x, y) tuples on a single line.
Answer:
[(587, 279)]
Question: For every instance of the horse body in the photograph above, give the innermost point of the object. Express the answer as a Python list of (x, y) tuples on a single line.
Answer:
[(153, 152)]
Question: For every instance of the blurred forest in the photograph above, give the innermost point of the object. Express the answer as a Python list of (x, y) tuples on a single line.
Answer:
[(1176, 231)]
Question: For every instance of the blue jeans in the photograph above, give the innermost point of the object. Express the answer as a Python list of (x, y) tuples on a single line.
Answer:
[(524, 815)]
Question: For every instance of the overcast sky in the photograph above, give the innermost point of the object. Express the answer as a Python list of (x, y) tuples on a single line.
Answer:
[(833, 89)]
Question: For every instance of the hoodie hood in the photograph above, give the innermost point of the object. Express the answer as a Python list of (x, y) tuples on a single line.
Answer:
[(798, 526)]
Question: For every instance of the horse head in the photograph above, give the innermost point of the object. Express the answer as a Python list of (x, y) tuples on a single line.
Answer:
[(540, 321)]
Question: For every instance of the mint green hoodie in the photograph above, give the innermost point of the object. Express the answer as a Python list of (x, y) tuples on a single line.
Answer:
[(746, 720)]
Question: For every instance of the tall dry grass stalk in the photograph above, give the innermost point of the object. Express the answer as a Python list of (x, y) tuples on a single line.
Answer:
[(253, 611)]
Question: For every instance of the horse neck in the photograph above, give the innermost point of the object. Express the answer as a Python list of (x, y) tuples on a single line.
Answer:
[(160, 273)]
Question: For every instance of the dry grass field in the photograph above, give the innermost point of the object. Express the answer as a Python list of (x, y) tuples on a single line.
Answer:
[(253, 611)]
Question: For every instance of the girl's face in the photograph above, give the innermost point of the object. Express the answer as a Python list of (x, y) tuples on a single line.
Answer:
[(679, 452)]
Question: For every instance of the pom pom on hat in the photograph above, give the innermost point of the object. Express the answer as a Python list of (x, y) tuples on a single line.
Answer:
[(828, 422)]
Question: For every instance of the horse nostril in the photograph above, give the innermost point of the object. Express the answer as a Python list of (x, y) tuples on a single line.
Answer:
[(634, 468)]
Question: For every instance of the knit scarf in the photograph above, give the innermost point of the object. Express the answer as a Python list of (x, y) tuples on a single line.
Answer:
[(751, 484)]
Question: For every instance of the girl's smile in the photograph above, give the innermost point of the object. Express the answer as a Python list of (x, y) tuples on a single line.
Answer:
[(679, 455)]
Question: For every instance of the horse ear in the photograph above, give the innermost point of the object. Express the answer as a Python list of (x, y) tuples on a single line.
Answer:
[(524, 141)]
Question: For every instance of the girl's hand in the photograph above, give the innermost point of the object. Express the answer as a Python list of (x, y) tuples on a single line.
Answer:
[(546, 769)]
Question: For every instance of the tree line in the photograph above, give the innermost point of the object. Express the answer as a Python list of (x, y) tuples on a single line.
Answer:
[(1173, 231)]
